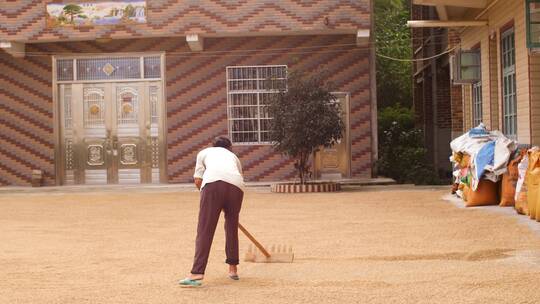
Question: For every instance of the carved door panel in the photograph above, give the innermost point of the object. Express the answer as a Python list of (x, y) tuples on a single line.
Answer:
[(67, 143), (154, 142), (111, 133), (334, 162), (94, 132), (110, 119), (128, 133)]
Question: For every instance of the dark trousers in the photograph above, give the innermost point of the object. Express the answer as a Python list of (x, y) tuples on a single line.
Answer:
[(215, 197)]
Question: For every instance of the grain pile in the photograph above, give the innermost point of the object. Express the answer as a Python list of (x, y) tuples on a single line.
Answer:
[(370, 246)]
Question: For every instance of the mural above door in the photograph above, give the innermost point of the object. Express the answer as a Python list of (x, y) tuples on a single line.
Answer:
[(96, 13)]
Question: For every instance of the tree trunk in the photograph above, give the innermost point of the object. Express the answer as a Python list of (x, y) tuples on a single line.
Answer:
[(301, 163)]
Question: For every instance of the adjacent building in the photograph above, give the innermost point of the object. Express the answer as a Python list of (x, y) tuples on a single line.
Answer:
[(432, 89), (95, 92), (492, 69)]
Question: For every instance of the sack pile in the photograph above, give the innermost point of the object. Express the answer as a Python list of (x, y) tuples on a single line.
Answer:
[(489, 169), (480, 159)]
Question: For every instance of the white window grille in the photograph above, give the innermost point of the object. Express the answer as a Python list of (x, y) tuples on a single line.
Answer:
[(64, 69), (248, 90), (108, 68), (509, 84), (477, 103)]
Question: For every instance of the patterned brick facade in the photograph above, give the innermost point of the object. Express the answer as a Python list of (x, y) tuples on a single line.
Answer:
[(25, 20), (26, 119), (196, 95), (196, 99)]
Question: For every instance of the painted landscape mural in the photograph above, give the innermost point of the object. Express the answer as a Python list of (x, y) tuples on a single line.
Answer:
[(96, 13)]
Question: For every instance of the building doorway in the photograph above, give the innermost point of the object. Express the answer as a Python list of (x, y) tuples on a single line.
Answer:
[(111, 120), (334, 162)]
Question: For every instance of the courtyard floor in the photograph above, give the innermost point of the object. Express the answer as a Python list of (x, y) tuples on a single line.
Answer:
[(388, 244)]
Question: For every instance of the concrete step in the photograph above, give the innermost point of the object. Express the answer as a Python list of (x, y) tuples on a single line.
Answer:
[(170, 187)]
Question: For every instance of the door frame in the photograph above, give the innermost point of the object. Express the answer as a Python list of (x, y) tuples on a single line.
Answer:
[(59, 167), (316, 169)]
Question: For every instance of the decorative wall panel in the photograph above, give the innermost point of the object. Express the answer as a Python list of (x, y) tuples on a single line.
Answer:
[(26, 20)]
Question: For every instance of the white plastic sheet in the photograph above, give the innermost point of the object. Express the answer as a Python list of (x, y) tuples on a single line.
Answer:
[(473, 141), (522, 170)]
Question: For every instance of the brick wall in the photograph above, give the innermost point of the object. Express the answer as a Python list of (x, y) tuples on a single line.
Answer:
[(25, 20), (26, 119), (204, 93), (429, 126), (457, 108), (455, 91), (444, 118), (196, 100), (453, 37)]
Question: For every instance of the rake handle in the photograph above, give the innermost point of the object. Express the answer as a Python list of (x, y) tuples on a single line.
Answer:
[(252, 239)]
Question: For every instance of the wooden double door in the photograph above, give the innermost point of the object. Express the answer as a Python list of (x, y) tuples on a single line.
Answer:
[(111, 132)]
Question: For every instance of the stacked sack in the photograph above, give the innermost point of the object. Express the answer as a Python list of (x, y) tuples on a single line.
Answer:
[(532, 186), (489, 169), (480, 158)]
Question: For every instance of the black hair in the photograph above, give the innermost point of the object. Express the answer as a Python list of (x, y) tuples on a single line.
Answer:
[(223, 142)]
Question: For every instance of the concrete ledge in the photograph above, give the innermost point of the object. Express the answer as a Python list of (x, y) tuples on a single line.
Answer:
[(173, 187)]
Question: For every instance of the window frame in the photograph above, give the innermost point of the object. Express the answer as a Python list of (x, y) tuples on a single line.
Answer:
[(477, 103), (458, 66), (476, 89), (74, 58), (509, 83), (530, 43), (256, 91)]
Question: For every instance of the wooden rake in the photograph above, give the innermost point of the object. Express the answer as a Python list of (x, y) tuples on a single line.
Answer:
[(279, 254)]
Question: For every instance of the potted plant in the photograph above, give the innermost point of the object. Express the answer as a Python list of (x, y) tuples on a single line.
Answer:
[(306, 116)]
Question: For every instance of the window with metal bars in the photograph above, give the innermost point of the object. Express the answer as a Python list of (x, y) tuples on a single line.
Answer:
[(249, 88), (477, 103), (108, 68), (509, 83)]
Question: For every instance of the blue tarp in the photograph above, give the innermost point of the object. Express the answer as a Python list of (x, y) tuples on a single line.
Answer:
[(485, 157)]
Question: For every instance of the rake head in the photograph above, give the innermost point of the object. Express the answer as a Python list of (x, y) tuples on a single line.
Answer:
[(276, 254)]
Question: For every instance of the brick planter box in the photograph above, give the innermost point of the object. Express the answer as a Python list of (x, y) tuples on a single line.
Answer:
[(305, 188)]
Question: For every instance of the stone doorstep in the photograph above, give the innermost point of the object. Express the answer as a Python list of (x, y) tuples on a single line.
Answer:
[(171, 187)]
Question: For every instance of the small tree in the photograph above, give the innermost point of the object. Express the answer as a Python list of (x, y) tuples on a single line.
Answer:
[(129, 11), (305, 116), (72, 10)]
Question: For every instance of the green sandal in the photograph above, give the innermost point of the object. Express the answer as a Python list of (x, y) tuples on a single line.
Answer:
[(189, 283)]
